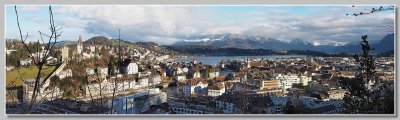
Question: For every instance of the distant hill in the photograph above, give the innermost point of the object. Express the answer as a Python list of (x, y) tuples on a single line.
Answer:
[(257, 42), (386, 44), (98, 40), (157, 48), (62, 43)]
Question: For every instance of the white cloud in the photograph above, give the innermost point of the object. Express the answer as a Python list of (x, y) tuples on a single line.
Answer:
[(168, 24)]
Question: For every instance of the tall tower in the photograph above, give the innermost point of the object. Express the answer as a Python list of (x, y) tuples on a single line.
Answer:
[(248, 63), (310, 58), (93, 47), (222, 64), (64, 53), (79, 46)]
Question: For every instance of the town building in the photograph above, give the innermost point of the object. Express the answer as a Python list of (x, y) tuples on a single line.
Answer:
[(129, 67), (194, 86), (287, 81), (269, 84), (64, 53), (139, 102), (304, 80), (182, 108), (216, 90)]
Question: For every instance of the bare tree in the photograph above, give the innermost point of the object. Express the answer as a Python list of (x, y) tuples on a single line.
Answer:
[(87, 87), (116, 76), (40, 59), (371, 11), (98, 78)]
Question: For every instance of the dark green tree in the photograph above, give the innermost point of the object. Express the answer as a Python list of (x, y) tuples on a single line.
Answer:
[(366, 95), (206, 73)]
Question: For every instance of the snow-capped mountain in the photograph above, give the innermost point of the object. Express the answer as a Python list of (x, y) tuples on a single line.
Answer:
[(256, 42)]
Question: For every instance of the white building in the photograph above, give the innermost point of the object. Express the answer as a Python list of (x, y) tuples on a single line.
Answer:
[(102, 70), (213, 74), (129, 85), (305, 79), (90, 71), (26, 62), (156, 79), (8, 52), (194, 86), (143, 82), (86, 55), (216, 90), (178, 70), (138, 103), (132, 68), (287, 81), (136, 54), (9, 68), (185, 69), (180, 77)]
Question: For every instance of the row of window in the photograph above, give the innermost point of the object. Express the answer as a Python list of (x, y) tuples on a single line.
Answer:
[(183, 111)]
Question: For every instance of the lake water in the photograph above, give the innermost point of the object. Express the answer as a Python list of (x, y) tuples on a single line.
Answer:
[(217, 59)]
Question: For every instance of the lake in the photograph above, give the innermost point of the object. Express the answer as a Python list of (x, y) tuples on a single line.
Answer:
[(217, 59)]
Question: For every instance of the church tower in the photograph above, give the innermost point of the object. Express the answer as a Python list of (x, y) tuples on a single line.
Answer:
[(93, 47), (248, 63), (222, 64), (79, 46)]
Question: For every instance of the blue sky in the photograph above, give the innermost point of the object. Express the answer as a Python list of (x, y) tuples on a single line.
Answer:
[(169, 24)]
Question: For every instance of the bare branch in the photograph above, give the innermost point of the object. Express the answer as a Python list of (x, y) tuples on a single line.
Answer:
[(41, 59), (372, 10), (26, 36)]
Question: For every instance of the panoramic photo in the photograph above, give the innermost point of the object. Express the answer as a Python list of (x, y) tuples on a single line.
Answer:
[(199, 59)]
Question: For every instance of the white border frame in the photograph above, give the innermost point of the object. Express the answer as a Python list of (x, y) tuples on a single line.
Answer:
[(227, 115)]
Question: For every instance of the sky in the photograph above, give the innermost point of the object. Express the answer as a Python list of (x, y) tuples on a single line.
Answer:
[(320, 25)]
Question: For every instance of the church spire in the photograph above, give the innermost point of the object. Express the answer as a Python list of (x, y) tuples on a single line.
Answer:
[(79, 46), (80, 39)]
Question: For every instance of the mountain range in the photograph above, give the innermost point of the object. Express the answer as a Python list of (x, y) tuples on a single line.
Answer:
[(236, 45), (257, 42)]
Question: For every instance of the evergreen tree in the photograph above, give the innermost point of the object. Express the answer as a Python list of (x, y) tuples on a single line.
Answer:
[(367, 95), (206, 73)]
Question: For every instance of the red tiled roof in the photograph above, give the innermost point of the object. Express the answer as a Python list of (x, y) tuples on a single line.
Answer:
[(217, 86), (220, 78)]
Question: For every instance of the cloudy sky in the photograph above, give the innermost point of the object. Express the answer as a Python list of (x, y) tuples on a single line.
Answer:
[(168, 24)]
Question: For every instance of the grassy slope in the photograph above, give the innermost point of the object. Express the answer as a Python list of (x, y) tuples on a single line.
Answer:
[(27, 73)]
